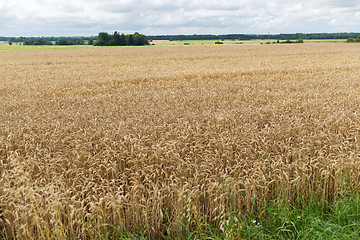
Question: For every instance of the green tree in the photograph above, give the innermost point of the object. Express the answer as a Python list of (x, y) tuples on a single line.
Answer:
[(122, 41), (103, 39), (129, 40), (79, 42), (115, 39), (62, 42), (357, 38), (140, 39)]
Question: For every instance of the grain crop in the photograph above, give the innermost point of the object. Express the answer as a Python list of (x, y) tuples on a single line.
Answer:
[(153, 139)]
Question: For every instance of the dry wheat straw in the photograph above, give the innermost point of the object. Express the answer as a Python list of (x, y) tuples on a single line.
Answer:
[(149, 137)]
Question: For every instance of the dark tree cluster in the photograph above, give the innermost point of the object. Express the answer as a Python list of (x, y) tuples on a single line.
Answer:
[(38, 42), (70, 42), (116, 39)]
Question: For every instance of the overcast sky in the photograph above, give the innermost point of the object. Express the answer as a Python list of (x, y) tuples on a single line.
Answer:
[(154, 17)]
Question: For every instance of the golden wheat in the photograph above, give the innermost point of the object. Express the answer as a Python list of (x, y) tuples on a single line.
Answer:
[(148, 137)]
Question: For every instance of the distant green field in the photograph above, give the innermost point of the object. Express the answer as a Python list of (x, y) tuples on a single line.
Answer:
[(325, 40)]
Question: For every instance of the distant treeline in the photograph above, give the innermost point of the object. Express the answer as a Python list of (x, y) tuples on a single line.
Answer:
[(103, 39), (49, 39), (293, 36), (117, 39), (37, 42), (59, 42)]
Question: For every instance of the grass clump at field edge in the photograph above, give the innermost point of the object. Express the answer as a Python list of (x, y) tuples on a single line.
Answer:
[(277, 220), (316, 220)]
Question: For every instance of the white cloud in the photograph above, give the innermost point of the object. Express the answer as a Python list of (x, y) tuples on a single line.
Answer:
[(65, 17)]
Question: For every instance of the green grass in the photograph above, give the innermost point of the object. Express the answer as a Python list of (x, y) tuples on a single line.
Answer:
[(278, 220), (318, 220)]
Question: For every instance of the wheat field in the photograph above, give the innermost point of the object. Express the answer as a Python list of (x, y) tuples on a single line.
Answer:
[(96, 141)]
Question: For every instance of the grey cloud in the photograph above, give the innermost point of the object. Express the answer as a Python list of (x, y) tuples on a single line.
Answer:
[(59, 17), (343, 4)]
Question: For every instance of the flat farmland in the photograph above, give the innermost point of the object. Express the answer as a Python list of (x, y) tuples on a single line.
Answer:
[(164, 141)]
